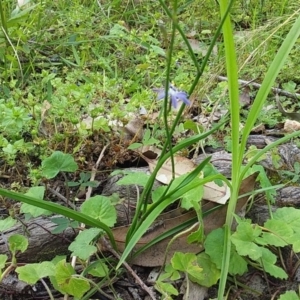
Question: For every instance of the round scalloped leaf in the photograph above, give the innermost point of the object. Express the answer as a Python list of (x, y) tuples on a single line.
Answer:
[(100, 208)]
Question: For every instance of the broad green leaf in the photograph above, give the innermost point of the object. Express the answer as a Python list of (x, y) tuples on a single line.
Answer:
[(67, 283), (3, 259), (170, 273), (93, 184), (289, 295), (81, 246), (100, 208), (38, 193), (135, 146), (279, 235), (7, 223), (17, 242), (243, 240), (31, 273), (289, 215), (290, 86), (99, 270), (189, 124), (295, 241), (209, 274), (196, 236), (245, 248), (195, 194), (213, 245), (268, 261), (137, 178), (158, 193), (238, 265), (58, 161), (185, 262), (214, 248), (87, 235), (62, 224), (166, 289)]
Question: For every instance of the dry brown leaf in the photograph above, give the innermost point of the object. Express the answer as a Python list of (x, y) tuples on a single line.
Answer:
[(215, 193), (135, 127), (291, 126), (183, 165), (245, 99), (258, 129), (154, 256), (45, 127)]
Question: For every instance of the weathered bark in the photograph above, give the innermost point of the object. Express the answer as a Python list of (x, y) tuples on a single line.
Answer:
[(42, 244)]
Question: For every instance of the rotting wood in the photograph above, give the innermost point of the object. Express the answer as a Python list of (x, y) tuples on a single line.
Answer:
[(42, 244)]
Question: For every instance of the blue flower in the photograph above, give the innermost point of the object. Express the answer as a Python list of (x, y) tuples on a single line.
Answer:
[(175, 96)]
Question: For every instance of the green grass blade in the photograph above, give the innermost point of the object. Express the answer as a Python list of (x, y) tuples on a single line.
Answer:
[(233, 89), (269, 80), (59, 209)]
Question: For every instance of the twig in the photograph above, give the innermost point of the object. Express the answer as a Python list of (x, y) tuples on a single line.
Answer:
[(61, 197), (66, 186), (257, 86), (129, 269), (47, 288), (94, 171)]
